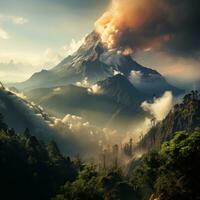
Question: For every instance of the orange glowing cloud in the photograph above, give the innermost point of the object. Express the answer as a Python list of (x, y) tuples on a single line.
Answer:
[(148, 24), (124, 15)]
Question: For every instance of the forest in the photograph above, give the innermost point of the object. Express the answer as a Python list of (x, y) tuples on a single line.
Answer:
[(99, 100), (31, 169)]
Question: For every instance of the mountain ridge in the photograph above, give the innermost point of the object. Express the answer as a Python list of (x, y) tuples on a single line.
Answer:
[(94, 62), (116, 95), (120, 88)]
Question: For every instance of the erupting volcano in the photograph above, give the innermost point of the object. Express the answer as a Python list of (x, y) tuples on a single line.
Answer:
[(128, 26), (154, 24), (94, 62)]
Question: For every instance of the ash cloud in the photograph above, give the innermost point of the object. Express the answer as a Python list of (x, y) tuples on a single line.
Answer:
[(165, 25)]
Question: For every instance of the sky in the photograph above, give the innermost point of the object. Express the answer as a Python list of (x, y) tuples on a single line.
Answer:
[(35, 33), (38, 34)]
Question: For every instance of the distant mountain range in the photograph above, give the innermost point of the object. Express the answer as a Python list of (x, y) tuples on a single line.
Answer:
[(116, 101)]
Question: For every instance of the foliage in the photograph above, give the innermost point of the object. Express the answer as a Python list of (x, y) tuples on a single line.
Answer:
[(3, 126), (29, 170), (93, 185), (173, 172), (32, 170), (86, 186), (179, 178)]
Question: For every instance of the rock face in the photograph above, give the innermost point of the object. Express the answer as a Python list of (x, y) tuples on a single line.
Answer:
[(183, 117), (96, 63)]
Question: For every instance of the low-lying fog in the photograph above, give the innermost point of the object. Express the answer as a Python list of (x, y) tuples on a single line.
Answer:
[(76, 136)]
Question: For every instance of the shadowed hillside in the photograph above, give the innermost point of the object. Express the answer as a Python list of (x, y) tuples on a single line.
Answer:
[(116, 99), (183, 117)]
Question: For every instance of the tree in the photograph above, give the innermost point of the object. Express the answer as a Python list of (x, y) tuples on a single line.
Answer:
[(87, 186), (172, 172), (3, 126), (28, 170)]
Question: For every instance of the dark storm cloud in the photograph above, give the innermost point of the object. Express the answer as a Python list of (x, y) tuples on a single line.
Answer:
[(185, 28)]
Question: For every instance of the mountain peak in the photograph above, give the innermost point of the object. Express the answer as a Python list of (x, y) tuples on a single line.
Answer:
[(117, 80), (120, 88), (94, 61)]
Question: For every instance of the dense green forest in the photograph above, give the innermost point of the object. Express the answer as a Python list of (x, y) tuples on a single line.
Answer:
[(172, 173), (30, 169)]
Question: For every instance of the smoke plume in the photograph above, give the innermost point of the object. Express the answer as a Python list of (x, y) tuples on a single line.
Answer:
[(170, 25)]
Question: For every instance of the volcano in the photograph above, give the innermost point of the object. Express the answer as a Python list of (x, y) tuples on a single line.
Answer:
[(96, 63)]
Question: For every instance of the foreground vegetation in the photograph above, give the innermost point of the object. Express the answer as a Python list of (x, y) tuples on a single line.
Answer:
[(28, 168), (169, 174), (173, 172), (32, 170)]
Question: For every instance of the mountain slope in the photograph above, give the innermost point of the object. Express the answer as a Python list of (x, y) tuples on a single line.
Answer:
[(116, 100), (20, 114), (119, 88), (183, 117), (96, 63)]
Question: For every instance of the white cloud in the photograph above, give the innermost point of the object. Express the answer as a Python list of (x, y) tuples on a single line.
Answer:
[(73, 121), (136, 73), (18, 20), (51, 57), (32, 62), (14, 19), (73, 46), (57, 89), (19, 94), (160, 107), (135, 77), (116, 72), (83, 83), (147, 49), (3, 34), (95, 89)]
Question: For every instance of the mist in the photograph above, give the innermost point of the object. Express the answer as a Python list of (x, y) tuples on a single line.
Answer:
[(160, 107)]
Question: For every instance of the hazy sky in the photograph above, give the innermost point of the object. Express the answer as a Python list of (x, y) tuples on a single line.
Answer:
[(33, 30), (36, 34)]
